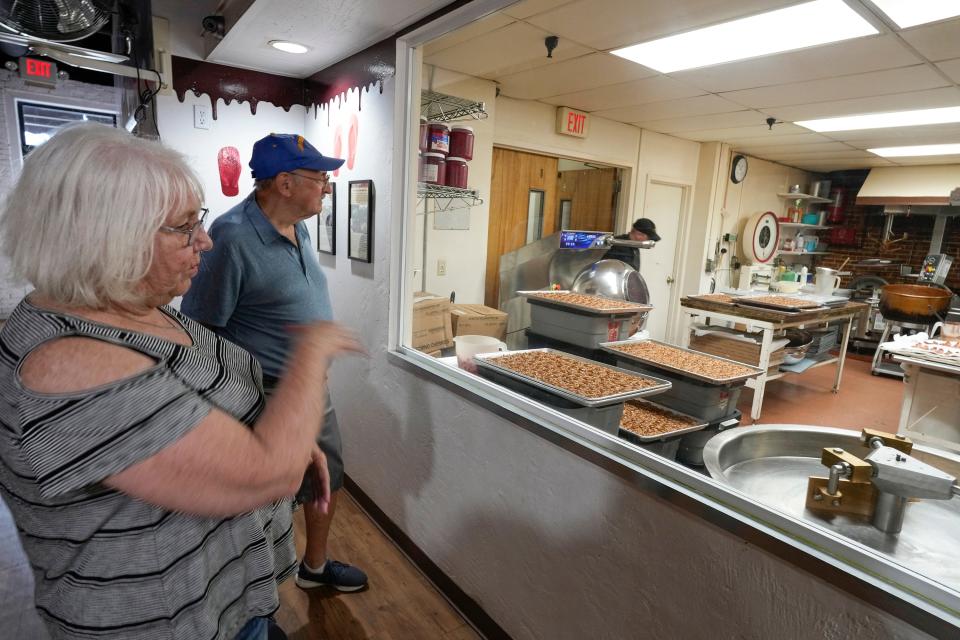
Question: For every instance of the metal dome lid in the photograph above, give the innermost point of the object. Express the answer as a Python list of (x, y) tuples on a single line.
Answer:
[(612, 279)]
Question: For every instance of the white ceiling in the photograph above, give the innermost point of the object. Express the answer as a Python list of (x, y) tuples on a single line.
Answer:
[(332, 29), (895, 70), (910, 69)]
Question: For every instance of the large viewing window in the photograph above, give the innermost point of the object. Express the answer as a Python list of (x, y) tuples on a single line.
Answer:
[(525, 182)]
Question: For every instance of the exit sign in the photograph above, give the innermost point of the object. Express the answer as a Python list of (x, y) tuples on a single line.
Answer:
[(571, 122), (38, 72)]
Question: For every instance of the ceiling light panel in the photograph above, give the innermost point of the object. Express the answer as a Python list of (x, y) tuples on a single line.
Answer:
[(917, 150), (797, 27), (909, 13), (884, 120), (288, 47)]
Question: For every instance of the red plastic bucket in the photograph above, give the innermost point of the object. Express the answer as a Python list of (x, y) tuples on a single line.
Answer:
[(456, 173), (461, 142), (439, 138), (434, 168)]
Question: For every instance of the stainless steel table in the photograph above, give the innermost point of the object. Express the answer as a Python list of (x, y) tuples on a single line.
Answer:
[(769, 322)]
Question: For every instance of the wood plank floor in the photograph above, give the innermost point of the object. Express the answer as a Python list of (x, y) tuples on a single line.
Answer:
[(400, 603)]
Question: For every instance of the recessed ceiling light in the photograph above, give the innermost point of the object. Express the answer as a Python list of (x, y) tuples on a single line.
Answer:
[(804, 25), (884, 120), (920, 150), (287, 46), (909, 13)]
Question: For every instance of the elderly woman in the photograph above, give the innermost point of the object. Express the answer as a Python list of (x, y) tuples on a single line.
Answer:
[(146, 476)]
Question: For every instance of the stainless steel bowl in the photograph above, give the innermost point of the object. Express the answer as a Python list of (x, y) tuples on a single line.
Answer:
[(771, 464), (612, 279)]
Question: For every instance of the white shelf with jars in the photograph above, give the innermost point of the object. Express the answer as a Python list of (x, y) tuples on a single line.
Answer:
[(799, 237)]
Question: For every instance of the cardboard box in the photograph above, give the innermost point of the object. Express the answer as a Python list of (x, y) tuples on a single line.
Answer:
[(432, 329), (478, 320)]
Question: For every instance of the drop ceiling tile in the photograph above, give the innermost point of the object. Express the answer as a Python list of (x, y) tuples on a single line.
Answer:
[(846, 156), (929, 99), (784, 146), (696, 106), (912, 78), (951, 68), (861, 55), (734, 134), (569, 76), (954, 159), (474, 29), (511, 49), (527, 8), (900, 136), (652, 89), (763, 142), (713, 121), (828, 166), (610, 24), (937, 41)]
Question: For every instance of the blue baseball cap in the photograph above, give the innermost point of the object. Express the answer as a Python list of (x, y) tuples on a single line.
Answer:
[(279, 152)]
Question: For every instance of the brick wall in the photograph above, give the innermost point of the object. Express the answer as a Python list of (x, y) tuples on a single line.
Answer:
[(869, 224), (68, 93)]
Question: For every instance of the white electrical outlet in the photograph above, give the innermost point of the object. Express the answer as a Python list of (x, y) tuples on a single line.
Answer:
[(201, 116), (441, 267)]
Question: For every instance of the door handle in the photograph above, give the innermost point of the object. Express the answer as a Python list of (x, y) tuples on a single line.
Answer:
[(670, 280)]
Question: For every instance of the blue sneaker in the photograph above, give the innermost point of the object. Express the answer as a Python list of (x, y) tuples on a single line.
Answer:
[(340, 576)]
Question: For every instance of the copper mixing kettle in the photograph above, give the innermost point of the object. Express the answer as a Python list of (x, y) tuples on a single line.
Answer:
[(914, 303)]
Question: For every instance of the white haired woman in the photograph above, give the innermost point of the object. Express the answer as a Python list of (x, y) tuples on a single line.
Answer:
[(146, 476)]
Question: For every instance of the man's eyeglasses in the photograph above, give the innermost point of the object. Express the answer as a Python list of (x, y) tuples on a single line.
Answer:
[(189, 230), (324, 179)]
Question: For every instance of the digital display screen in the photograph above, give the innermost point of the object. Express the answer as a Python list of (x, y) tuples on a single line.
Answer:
[(580, 239)]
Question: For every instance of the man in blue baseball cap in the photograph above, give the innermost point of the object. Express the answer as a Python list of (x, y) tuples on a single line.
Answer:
[(261, 278)]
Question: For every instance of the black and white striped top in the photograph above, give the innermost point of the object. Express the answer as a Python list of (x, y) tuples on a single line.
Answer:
[(108, 565)]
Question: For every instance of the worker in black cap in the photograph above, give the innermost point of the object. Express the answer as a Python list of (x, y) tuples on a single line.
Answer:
[(642, 229)]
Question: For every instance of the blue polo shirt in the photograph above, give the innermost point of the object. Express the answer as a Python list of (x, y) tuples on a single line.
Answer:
[(255, 283)]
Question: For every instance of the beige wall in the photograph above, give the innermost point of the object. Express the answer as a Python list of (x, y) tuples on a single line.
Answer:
[(734, 204)]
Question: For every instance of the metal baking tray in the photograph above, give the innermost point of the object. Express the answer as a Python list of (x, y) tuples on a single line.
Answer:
[(638, 439), (609, 347), (541, 297), (489, 361), (753, 302)]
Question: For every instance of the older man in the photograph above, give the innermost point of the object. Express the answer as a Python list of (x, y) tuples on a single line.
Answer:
[(642, 229), (261, 278)]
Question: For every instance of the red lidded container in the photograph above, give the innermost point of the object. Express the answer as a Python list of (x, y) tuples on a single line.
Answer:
[(434, 168), (424, 134), (836, 210), (461, 142), (439, 138), (456, 173)]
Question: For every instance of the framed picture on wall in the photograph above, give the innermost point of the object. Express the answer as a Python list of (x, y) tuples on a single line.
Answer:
[(360, 223), (327, 223)]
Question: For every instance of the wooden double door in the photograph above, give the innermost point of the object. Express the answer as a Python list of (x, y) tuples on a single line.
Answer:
[(530, 198)]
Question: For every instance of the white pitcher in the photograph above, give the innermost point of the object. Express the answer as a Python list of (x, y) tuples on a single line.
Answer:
[(826, 281)]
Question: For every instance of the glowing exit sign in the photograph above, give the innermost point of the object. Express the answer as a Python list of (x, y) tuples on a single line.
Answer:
[(571, 122), (38, 72)]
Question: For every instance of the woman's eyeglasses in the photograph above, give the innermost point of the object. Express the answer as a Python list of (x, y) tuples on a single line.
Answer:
[(189, 230)]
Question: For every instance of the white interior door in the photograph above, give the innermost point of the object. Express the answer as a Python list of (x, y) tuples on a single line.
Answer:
[(664, 203)]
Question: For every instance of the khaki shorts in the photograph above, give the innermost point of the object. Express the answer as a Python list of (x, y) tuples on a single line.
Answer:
[(329, 441)]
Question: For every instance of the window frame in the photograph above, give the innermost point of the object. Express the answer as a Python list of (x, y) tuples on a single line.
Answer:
[(843, 562), (19, 104)]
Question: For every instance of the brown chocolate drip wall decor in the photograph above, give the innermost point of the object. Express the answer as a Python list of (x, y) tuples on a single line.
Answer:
[(230, 83), (370, 67)]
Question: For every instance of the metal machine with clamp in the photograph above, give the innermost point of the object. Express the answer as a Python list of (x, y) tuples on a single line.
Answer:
[(880, 485)]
